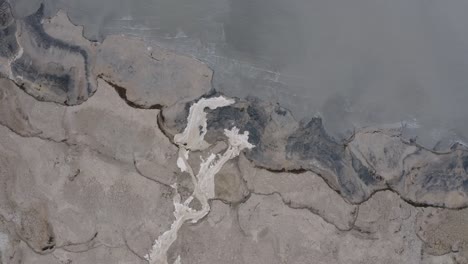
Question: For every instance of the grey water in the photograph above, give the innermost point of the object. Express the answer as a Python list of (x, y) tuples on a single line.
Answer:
[(354, 62)]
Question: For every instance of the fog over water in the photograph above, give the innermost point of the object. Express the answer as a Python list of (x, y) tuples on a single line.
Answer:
[(353, 62)]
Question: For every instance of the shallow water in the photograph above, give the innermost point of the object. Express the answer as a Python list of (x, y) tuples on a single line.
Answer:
[(354, 62)]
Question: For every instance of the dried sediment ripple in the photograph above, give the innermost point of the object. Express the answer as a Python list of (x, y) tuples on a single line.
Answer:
[(373, 160), (48, 58)]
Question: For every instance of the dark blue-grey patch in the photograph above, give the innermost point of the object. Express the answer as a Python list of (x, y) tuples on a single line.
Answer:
[(443, 177), (6, 17), (280, 111), (225, 117), (59, 83), (311, 141), (44, 41), (249, 117), (465, 163), (465, 185), (368, 176), (8, 44)]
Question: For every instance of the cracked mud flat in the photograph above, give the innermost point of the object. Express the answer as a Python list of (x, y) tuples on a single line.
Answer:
[(101, 142)]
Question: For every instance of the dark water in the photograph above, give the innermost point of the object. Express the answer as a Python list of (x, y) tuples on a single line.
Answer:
[(354, 62)]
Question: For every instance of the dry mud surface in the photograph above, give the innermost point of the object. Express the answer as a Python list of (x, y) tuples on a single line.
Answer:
[(119, 152)]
